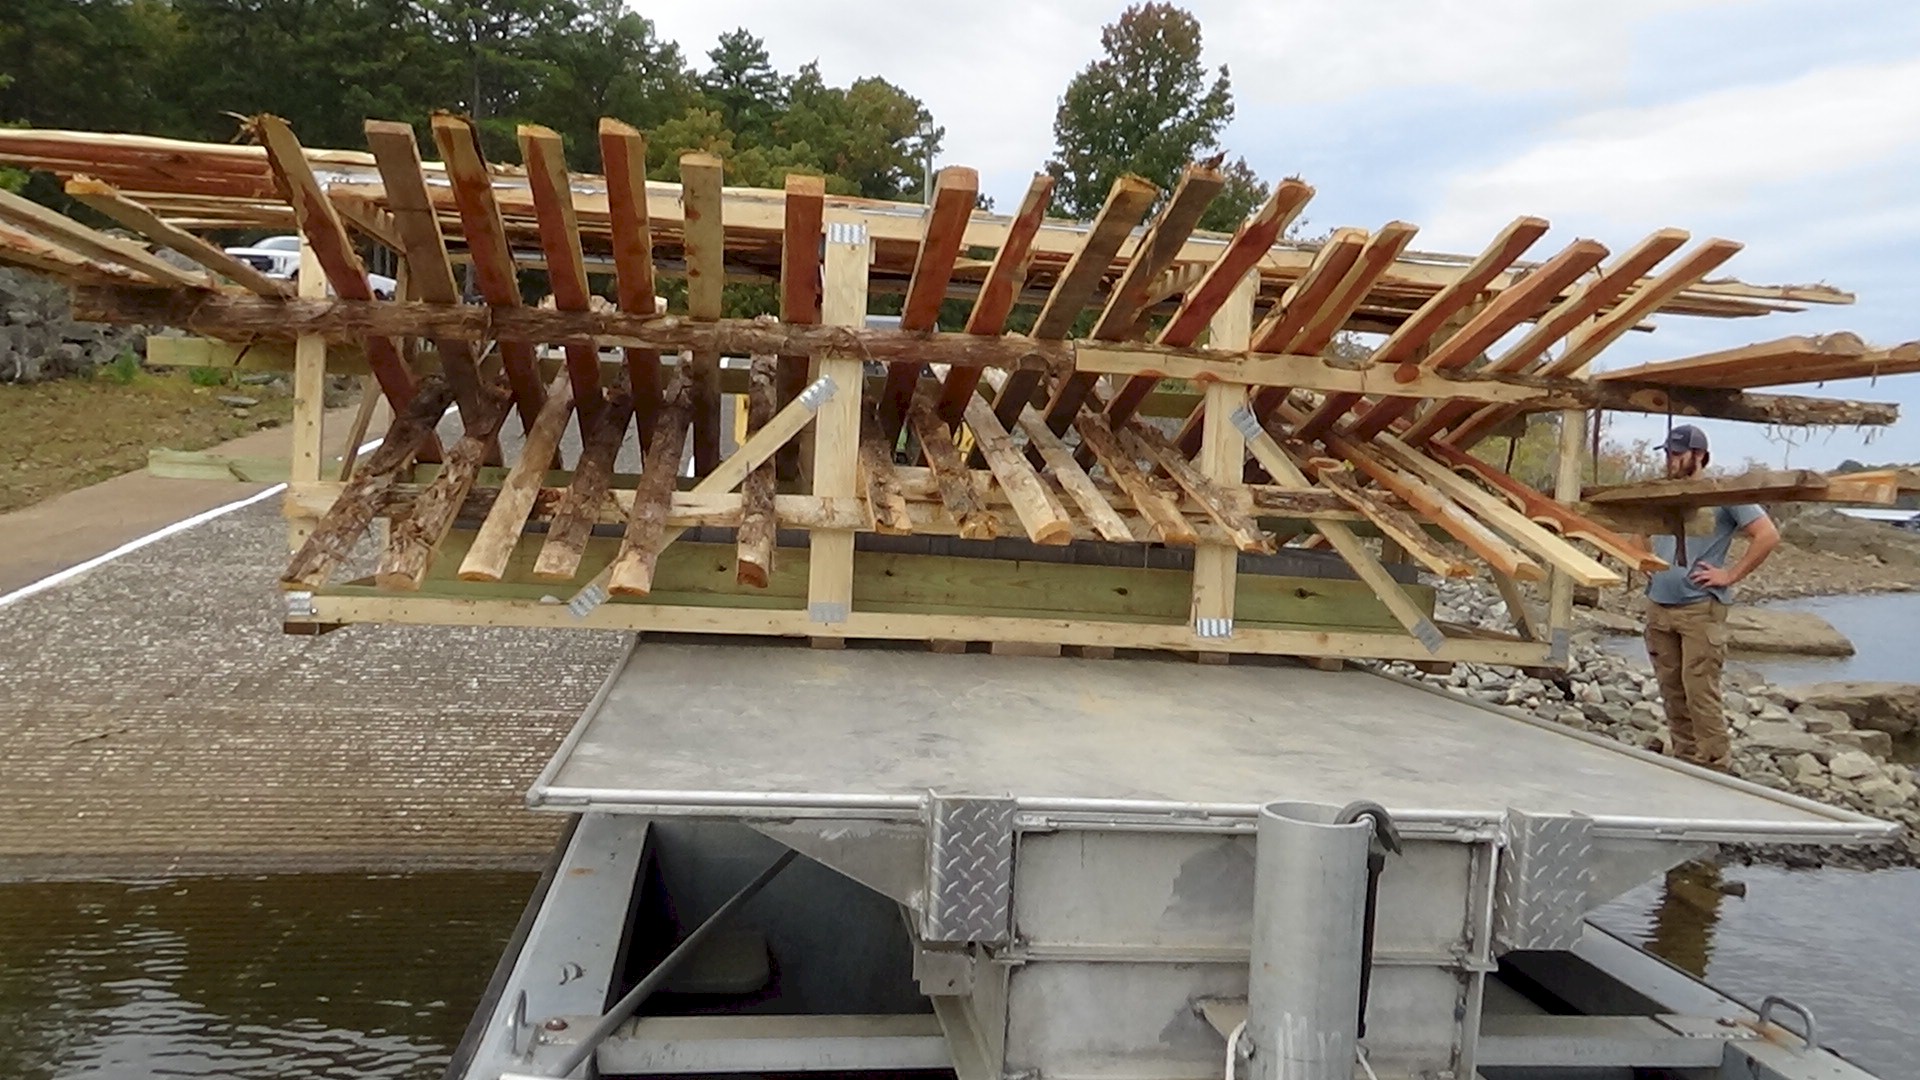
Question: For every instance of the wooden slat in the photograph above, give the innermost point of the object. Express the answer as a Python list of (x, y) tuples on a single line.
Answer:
[(1143, 441), (800, 285), (396, 152), (1127, 202), (1550, 512), (413, 540), (1169, 525), (1041, 514), (545, 158), (107, 200), (501, 531), (349, 515), (1395, 524), (955, 191), (1128, 300), (1307, 296), (704, 240), (631, 572), (1808, 358), (1071, 477), (754, 545), (957, 490), (1410, 336), (19, 247), (998, 291), (573, 522), (1365, 566), (623, 157), (486, 239), (334, 250), (884, 497), (65, 232)]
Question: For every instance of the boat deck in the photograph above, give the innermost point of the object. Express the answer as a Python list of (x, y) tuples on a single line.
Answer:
[(804, 732)]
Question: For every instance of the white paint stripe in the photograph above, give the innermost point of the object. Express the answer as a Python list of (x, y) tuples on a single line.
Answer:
[(60, 577)]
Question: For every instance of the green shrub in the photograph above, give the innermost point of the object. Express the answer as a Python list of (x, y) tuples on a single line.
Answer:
[(122, 370), (208, 376)]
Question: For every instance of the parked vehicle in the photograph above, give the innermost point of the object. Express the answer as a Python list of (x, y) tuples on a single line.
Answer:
[(279, 257)]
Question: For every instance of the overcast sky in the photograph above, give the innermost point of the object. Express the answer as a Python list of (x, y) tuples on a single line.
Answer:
[(1790, 125)]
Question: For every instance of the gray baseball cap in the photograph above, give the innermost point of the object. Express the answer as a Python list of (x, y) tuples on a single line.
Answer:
[(1686, 437)]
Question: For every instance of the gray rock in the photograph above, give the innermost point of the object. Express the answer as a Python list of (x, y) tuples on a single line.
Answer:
[(1853, 765), (1822, 721), (1878, 706), (1734, 702), (1877, 743), (1881, 793), (238, 401), (1780, 739), (1804, 768)]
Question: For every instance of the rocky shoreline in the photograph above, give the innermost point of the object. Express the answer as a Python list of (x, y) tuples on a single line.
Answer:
[(1831, 742)]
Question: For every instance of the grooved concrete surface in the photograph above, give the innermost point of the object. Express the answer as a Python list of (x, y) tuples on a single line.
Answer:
[(154, 718)]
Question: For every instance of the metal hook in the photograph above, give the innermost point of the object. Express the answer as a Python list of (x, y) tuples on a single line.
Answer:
[(1384, 831), (1810, 1037)]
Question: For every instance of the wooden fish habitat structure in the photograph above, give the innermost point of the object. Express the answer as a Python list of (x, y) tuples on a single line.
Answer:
[(1177, 454)]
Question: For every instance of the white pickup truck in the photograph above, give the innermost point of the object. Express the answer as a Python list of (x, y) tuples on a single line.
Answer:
[(279, 257)]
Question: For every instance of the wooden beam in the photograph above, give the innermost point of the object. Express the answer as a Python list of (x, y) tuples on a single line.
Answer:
[(1139, 440), (1169, 525), (877, 478), (1127, 202), (107, 200), (1002, 285), (1223, 456), (545, 158), (1781, 362), (957, 491), (347, 519), (396, 152), (65, 232), (704, 239), (847, 255), (1403, 345), (1550, 512), (308, 426), (1071, 477), (631, 572), (754, 544), (1041, 515), (1395, 524), (800, 283), (486, 238), (19, 247), (1759, 485), (1285, 473), (573, 522), (413, 540), (623, 157), (501, 531), (1164, 238), (955, 191), (334, 250)]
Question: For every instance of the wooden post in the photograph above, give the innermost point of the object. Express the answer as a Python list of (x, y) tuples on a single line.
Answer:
[(1566, 490), (309, 395), (1223, 454), (836, 431)]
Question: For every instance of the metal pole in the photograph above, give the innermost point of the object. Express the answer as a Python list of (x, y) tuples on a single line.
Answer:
[(1303, 987), (625, 1007)]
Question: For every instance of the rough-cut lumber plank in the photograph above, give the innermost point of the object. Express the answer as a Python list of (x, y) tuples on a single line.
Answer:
[(65, 232), (545, 158), (631, 572), (1308, 295), (1143, 441), (1164, 238), (364, 495), (413, 540), (623, 157), (1548, 511), (1394, 523), (957, 491), (574, 519), (754, 545), (889, 505), (1362, 561), (1068, 473), (501, 531), (1517, 608), (997, 293), (1169, 525), (1759, 485), (1783, 361), (1041, 515), (703, 236), (331, 246), (396, 152), (19, 247), (486, 237), (109, 201), (357, 427), (800, 284), (1406, 340), (1253, 240), (1495, 510), (1376, 258), (955, 190), (1127, 202)]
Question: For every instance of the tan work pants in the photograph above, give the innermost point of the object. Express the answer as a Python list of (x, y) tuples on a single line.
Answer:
[(1688, 646)]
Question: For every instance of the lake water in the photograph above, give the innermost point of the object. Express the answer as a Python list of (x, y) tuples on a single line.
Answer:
[(326, 976), (1882, 627)]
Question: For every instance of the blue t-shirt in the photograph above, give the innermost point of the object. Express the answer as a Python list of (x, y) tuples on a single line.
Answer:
[(1672, 587)]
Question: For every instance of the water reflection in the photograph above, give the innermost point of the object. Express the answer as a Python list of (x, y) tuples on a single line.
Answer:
[(1686, 916), (298, 975)]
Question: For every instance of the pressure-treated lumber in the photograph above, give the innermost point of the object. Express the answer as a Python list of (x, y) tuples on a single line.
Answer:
[(631, 572), (492, 256), (877, 478), (132, 215), (957, 491), (396, 151), (501, 531), (414, 539), (1003, 283), (835, 470), (955, 191), (1169, 526), (623, 157), (1127, 202), (545, 158), (573, 521), (1041, 514), (347, 518), (704, 240), (754, 545)]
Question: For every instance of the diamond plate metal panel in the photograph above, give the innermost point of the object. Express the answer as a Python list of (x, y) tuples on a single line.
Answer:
[(1546, 881), (969, 870)]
